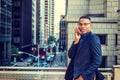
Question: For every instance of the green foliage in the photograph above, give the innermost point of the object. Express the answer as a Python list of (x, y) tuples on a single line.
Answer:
[(51, 39), (14, 50)]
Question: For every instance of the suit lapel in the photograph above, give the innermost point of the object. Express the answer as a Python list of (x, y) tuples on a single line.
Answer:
[(80, 45)]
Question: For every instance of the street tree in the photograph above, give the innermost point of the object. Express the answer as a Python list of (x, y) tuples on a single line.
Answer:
[(51, 39), (14, 50)]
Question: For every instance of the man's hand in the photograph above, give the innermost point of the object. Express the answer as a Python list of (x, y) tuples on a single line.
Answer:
[(77, 35)]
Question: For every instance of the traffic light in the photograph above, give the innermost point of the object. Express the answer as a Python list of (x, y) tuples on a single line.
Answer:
[(33, 47)]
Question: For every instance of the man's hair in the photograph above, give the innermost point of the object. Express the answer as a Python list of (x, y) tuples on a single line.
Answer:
[(87, 17)]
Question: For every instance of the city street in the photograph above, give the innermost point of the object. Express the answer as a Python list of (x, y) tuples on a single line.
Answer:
[(60, 59), (57, 59)]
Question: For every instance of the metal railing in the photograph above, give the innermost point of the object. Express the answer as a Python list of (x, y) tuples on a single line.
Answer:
[(38, 73), (31, 75)]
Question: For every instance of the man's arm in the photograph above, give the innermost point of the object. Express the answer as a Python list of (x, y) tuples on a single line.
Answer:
[(73, 47), (72, 50)]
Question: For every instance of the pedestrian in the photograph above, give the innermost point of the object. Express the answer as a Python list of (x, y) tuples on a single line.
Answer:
[(85, 53)]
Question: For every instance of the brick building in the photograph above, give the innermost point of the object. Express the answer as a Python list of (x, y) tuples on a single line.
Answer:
[(118, 41), (104, 18)]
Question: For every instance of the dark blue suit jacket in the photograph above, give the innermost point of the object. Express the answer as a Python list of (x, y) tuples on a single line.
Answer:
[(88, 56)]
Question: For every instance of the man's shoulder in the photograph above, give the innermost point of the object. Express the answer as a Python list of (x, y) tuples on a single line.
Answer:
[(93, 36)]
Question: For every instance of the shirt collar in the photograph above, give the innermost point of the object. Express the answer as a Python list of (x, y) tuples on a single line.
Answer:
[(85, 35)]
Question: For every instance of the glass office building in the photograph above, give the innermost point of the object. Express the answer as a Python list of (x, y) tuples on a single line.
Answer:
[(5, 31)]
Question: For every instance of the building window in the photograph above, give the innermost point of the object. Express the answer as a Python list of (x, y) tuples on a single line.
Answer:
[(104, 62), (103, 38), (8, 31), (3, 17), (2, 30), (16, 22), (9, 7), (46, 1), (16, 39), (115, 60), (17, 4), (3, 4), (116, 39), (46, 6)]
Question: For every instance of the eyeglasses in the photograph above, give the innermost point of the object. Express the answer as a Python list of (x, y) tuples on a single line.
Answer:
[(85, 24)]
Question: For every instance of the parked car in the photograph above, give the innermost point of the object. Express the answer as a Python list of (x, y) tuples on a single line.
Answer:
[(42, 57), (41, 52), (44, 64), (48, 59)]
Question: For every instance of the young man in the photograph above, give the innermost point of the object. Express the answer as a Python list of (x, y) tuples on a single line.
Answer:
[(85, 52)]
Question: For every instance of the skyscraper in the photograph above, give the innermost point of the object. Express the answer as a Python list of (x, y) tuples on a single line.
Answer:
[(38, 39), (22, 24), (34, 29), (51, 17), (118, 41), (46, 19), (62, 33), (5, 31)]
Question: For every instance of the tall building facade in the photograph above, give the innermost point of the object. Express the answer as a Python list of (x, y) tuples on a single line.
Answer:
[(118, 41), (104, 18), (22, 24), (34, 35), (46, 20), (42, 22), (62, 33), (51, 17), (5, 31), (38, 21)]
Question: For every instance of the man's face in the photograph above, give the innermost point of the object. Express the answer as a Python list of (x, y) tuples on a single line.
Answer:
[(84, 25)]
